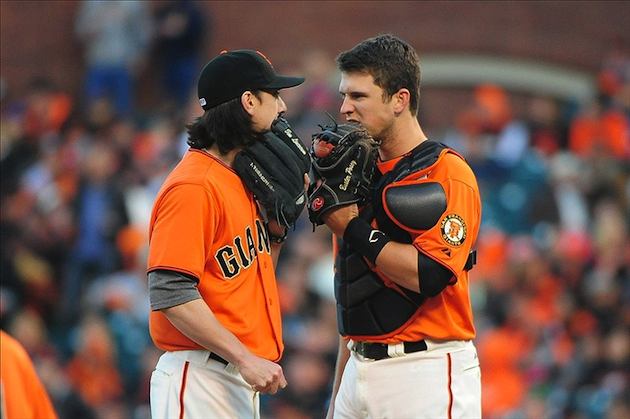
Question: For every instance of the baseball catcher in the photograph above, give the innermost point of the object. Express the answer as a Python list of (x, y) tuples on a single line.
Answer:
[(273, 170), (344, 158)]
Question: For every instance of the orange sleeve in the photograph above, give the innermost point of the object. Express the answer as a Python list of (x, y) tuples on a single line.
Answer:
[(23, 395), (183, 225), (450, 240)]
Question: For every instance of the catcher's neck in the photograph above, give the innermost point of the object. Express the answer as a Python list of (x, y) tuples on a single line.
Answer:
[(401, 139)]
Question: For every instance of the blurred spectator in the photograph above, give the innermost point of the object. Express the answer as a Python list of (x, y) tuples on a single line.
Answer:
[(47, 108), (116, 35), (122, 299), (562, 200), (604, 126), (547, 129), (99, 215), (307, 395), (92, 370), (181, 29), (599, 130), (319, 94)]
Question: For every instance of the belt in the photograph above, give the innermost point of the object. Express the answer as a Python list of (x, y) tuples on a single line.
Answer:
[(218, 358), (378, 351)]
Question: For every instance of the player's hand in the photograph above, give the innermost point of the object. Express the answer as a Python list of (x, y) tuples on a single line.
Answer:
[(337, 219), (276, 229), (263, 375)]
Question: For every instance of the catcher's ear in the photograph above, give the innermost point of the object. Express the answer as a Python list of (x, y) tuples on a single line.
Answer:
[(400, 100), (249, 102)]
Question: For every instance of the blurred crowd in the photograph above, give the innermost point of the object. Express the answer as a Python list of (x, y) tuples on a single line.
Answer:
[(551, 292)]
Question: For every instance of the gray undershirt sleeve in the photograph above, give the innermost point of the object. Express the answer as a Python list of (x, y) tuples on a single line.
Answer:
[(171, 288)]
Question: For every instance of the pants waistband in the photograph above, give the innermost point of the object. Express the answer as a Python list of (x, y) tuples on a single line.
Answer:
[(199, 357), (218, 358), (379, 351)]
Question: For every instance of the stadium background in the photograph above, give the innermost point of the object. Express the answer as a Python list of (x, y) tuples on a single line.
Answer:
[(535, 94)]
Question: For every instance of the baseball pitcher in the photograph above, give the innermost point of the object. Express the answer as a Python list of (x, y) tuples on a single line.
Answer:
[(216, 229)]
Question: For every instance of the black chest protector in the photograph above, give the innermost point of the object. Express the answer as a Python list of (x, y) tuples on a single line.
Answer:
[(365, 305)]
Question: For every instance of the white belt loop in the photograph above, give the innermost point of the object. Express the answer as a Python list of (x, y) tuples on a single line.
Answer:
[(395, 350), (232, 369)]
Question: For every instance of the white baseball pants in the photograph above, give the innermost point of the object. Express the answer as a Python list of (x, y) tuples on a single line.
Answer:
[(189, 385), (441, 382)]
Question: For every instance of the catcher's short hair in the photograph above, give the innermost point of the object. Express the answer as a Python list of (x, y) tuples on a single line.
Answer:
[(392, 62)]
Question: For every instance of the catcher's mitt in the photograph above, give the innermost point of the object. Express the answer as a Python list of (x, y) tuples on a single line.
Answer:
[(344, 159), (273, 170)]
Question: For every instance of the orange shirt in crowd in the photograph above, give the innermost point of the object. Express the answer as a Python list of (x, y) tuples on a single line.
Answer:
[(503, 383), (95, 378), (610, 131), (23, 395), (205, 224)]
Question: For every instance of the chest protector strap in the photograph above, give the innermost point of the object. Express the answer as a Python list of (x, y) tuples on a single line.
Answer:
[(365, 305)]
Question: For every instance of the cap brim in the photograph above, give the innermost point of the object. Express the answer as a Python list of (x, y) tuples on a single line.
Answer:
[(282, 82)]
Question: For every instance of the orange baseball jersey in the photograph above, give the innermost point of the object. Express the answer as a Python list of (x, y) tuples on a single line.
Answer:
[(447, 316), (23, 395), (206, 224)]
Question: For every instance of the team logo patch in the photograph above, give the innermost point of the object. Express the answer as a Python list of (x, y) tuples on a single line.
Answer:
[(317, 203), (453, 229)]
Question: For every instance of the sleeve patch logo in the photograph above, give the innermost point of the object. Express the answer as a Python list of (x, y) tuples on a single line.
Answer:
[(453, 229)]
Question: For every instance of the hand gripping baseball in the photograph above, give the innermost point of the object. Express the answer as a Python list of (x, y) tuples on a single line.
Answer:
[(344, 161), (273, 170)]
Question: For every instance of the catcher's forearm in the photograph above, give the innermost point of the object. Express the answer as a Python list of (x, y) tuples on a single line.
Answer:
[(399, 262)]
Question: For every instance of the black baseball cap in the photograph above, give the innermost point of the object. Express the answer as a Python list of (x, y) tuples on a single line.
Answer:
[(231, 73)]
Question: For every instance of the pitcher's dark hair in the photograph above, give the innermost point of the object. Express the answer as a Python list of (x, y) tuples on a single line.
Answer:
[(228, 126)]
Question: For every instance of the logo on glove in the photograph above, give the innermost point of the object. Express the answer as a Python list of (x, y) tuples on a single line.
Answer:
[(346, 180), (317, 203)]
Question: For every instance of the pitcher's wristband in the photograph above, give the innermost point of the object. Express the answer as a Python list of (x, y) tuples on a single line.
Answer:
[(363, 238), (277, 239)]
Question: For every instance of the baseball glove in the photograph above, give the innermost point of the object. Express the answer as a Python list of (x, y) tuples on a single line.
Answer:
[(344, 159), (273, 170)]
